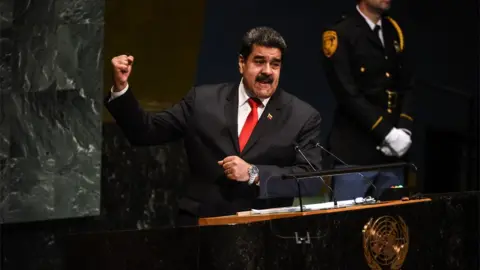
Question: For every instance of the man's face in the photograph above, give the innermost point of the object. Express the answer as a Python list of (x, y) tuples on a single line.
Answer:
[(261, 70), (379, 5)]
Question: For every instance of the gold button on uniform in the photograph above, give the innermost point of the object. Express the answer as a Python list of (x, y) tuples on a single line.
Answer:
[(362, 69), (387, 75)]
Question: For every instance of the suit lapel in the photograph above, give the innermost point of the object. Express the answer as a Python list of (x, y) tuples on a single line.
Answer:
[(231, 114), (270, 116)]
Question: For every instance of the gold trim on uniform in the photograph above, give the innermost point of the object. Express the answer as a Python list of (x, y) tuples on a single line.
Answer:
[(406, 116), (330, 43), (362, 69), (377, 123), (399, 32), (392, 100)]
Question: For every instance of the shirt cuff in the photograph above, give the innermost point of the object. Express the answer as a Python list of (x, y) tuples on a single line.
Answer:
[(117, 94)]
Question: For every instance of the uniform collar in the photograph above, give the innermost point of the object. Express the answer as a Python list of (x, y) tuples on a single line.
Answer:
[(370, 23)]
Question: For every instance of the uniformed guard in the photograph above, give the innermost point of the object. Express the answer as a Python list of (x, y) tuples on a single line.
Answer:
[(366, 68)]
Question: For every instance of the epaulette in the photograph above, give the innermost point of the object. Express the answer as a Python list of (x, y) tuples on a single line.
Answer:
[(399, 32)]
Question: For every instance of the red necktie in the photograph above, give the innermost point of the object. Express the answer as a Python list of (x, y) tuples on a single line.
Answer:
[(250, 123)]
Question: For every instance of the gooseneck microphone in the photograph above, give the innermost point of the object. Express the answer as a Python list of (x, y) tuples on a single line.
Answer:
[(317, 144), (297, 148)]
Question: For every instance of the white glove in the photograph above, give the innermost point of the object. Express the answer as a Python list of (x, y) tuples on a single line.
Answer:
[(399, 141)]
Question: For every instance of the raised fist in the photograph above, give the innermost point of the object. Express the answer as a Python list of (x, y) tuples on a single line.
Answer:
[(122, 67)]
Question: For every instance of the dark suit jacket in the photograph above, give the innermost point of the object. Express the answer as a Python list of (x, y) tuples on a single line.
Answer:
[(373, 88), (206, 118)]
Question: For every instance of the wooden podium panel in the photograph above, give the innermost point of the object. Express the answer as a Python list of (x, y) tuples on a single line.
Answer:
[(436, 233), (248, 217)]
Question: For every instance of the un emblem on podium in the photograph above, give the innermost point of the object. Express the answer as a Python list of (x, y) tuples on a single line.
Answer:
[(385, 242)]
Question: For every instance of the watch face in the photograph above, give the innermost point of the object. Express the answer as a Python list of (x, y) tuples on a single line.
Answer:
[(253, 169)]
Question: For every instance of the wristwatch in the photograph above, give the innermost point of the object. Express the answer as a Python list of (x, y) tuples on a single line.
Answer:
[(252, 174)]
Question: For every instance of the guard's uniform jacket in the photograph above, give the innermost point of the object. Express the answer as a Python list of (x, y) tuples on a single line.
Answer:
[(372, 86)]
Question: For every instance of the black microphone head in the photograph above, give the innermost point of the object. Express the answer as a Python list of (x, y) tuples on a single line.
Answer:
[(296, 146), (317, 144)]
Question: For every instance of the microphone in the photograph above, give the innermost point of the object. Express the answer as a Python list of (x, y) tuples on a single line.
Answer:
[(297, 148), (317, 144)]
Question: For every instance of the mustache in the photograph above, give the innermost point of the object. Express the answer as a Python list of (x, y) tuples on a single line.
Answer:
[(263, 78)]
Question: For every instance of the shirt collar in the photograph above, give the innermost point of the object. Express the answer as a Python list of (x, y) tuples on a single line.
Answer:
[(370, 23), (243, 95)]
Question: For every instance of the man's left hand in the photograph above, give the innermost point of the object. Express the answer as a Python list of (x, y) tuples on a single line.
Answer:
[(235, 168)]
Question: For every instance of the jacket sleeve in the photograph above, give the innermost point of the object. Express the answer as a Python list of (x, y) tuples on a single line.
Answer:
[(336, 49), (146, 129)]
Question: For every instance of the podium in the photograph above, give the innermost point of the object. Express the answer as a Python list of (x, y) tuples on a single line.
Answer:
[(438, 232), (248, 216)]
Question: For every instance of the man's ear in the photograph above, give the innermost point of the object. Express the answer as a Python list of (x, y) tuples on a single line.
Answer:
[(241, 63)]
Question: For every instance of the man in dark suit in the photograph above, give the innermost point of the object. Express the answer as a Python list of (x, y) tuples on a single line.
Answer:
[(368, 74), (237, 135)]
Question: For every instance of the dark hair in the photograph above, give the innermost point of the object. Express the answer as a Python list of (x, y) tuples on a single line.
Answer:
[(262, 36)]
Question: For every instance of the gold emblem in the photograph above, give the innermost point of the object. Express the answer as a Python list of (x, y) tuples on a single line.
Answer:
[(397, 46), (330, 43), (385, 242), (270, 117)]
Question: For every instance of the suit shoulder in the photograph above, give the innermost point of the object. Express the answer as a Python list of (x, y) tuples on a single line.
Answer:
[(342, 26), (300, 105), (212, 90), (213, 86)]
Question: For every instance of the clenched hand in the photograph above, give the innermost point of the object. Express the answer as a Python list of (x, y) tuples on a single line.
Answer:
[(122, 67), (235, 168)]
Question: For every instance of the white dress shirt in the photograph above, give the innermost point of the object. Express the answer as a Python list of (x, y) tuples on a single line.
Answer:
[(372, 25), (243, 106)]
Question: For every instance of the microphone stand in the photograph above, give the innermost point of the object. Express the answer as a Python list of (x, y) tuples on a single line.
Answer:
[(297, 148), (299, 194)]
